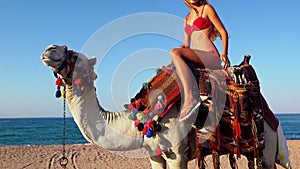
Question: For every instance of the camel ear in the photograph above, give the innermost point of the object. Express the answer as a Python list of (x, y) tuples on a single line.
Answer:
[(92, 61), (65, 47)]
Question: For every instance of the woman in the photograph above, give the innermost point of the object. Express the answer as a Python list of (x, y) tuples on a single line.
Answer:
[(201, 27)]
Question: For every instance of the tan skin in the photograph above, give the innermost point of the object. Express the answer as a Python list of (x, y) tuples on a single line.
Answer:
[(184, 52)]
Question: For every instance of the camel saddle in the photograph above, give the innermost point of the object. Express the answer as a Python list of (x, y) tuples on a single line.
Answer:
[(237, 127)]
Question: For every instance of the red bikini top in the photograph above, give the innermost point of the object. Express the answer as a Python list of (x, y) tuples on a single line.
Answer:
[(198, 24)]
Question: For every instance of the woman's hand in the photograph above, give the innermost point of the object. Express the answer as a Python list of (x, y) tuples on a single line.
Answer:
[(183, 46), (226, 61)]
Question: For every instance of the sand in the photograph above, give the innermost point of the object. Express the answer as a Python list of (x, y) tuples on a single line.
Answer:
[(94, 157)]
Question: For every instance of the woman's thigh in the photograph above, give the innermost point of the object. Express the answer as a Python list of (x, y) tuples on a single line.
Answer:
[(202, 58)]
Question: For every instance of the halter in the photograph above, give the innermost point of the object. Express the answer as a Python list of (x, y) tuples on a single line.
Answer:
[(83, 81), (69, 61)]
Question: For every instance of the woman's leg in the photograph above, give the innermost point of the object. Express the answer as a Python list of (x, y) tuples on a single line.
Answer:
[(186, 78), (185, 75)]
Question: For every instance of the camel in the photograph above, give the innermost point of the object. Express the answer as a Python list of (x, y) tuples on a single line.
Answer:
[(115, 131)]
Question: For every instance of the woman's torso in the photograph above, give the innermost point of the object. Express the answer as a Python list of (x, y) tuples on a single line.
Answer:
[(199, 28)]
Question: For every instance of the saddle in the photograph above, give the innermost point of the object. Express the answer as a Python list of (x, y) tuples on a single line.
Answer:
[(235, 127), (238, 128)]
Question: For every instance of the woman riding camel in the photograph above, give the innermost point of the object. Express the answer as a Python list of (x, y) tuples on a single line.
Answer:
[(201, 27)]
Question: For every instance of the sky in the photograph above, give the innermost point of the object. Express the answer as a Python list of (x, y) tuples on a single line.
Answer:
[(267, 30)]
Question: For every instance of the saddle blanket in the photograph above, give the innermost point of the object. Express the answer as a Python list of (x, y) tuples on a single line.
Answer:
[(160, 93)]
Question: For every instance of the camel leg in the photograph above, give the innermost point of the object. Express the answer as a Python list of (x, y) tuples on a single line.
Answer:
[(270, 147), (216, 159), (250, 158), (177, 162), (158, 162), (232, 161)]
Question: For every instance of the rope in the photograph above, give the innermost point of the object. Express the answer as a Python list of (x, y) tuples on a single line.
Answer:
[(64, 160)]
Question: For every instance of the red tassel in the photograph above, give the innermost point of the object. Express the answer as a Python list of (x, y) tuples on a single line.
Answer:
[(158, 151), (58, 82), (237, 128), (144, 130)]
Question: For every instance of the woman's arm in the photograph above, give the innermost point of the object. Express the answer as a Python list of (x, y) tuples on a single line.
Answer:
[(187, 38), (214, 18)]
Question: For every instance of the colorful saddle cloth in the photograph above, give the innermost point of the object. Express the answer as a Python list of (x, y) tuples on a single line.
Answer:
[(159, 94)]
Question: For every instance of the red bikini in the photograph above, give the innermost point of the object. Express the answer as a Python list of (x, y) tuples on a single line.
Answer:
[(199, 24)]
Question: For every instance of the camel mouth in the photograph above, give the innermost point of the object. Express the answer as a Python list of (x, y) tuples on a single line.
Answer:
[(44, 57), (47, 61)]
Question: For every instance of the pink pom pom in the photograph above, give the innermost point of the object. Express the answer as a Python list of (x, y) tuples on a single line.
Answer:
[(137, 123), (158, 105)]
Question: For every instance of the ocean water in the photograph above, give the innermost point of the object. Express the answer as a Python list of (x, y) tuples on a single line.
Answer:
[(38, 131), (48, 131)]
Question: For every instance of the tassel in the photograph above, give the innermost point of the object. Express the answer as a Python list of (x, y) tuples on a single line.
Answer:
[(63, 94), (58, 82), (158, 105), (137, 123), (58, 93), (135, 111), (78, 92), (158, 151), (131, 116), (149, 124), (140, 127), (151, 115), (144, 120), (145, 130), (149, 133), (139, 116), (138, 104), (237, 128), (157, 140), (155, 118), (157, 127), (146, 111)]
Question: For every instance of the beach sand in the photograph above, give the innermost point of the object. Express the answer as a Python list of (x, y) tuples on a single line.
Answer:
[(94, 157)]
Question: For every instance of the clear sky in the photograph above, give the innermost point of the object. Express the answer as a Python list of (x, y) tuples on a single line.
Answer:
[(268, 30)]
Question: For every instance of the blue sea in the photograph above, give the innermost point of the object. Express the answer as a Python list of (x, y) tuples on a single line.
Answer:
[(49, 131)]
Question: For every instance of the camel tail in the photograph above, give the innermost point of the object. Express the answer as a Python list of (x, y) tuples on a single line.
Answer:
[(282, 156)]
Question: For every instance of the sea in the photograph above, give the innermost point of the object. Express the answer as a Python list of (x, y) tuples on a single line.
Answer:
[(49, 131)]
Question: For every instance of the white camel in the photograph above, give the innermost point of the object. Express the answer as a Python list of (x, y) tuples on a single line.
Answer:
[(115, 131)]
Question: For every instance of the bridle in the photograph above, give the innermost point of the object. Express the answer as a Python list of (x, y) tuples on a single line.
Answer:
[(69, 61)]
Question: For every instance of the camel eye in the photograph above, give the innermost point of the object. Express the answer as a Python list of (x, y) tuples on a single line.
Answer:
[(51, 48)]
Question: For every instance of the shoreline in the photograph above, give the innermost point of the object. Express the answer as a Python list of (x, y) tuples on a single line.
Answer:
[(81, 156)]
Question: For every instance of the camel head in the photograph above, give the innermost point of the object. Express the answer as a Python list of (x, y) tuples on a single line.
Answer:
[(68, 65)]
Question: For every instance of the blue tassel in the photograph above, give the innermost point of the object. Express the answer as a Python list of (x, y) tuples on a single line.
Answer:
[(58, 94), (151, 115), (78, 92), (135, 111), (149, 133)]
